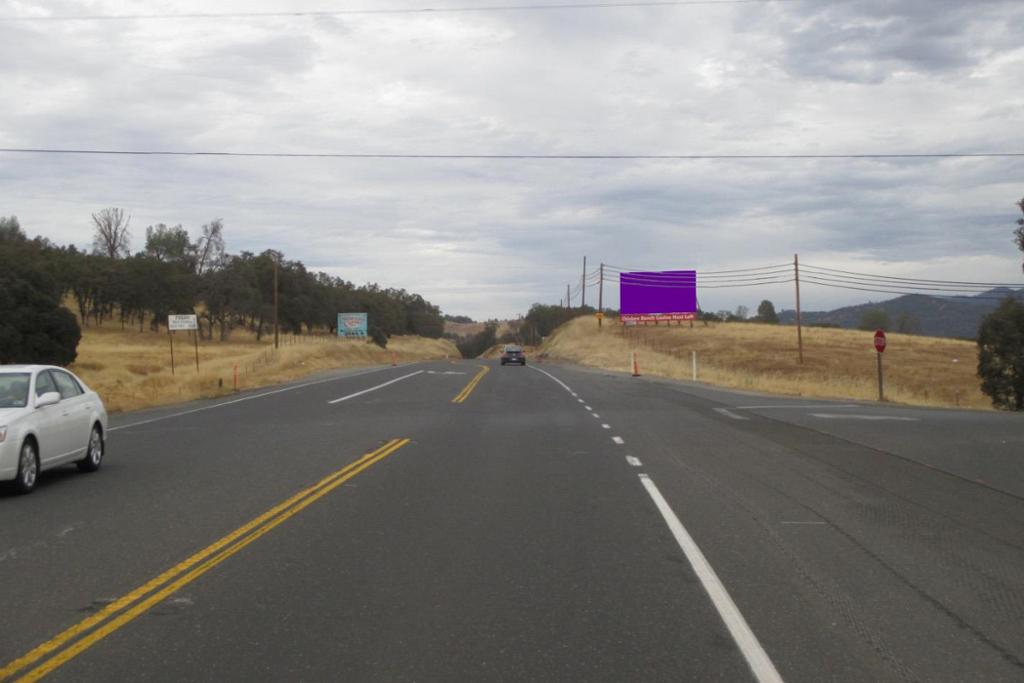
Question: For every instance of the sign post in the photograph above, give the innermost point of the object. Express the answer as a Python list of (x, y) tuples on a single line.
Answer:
[(183, 322), (879, 349)]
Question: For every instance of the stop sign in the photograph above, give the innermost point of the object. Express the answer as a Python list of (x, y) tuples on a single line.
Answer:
[(879, 340)]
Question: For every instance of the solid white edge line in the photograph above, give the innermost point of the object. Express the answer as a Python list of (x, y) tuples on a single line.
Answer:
[(809, 406), (897, 418), (729, 413), (379, 386), (564, 385), (757, 659), (247, 398)]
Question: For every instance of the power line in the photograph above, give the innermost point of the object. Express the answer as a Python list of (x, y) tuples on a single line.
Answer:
[(900, 285), (525, 157), (869, 276), (969, 297), (356, 12)]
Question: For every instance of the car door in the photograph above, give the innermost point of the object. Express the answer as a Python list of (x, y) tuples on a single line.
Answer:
[(50, 425), (75, 414)]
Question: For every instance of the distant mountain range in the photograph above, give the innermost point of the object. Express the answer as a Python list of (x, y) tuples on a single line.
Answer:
[(933, 316)]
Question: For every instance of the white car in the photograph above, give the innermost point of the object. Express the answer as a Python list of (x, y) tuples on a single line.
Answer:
[(48, 417)]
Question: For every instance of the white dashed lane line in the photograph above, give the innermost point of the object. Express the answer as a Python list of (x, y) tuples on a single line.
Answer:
[(618, 440), (635, 462), (606, 426), (729, 413)]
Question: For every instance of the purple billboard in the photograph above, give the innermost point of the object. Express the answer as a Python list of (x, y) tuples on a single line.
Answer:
[(658, 296)]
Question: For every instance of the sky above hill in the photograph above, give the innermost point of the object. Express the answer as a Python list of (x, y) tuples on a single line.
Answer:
[(488, 237)]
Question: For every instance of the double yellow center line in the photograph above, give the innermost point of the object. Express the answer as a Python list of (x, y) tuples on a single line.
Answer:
[(87, 632), (464, 394)]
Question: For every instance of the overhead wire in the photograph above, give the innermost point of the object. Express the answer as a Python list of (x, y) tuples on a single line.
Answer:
[(871, 276)]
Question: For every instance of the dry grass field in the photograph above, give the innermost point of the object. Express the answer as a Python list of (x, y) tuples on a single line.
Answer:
[(131, 369), (837, 363)]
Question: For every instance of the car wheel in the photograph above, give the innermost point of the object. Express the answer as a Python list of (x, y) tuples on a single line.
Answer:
[(94, 453), (28, 468)]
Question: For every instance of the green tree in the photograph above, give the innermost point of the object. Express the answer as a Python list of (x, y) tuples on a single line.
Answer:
[(766, 312), (874, 319), (1001, 355), (34, 327), (169, 245)]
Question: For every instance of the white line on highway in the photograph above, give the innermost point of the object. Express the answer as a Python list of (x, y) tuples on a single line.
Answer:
[(729, 413), (830, 416), (797, 405), (580, 400), (245, 398), (588, 407), (595, 415), (618, 440), (635, 462), (564, 385), (379, 386), (758, 660), (606, 426)]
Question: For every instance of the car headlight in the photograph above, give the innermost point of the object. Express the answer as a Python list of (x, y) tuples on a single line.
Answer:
[(3, 433)]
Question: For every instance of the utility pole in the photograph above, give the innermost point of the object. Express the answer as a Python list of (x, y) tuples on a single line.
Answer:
[(600, 298), (583, 284), (799, 329), (276, 340), (568, 299)]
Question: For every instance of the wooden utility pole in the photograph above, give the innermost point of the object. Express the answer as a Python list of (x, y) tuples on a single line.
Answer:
[(600, 298), (799, 328), (583, 284), (276, 341), (568, 300)]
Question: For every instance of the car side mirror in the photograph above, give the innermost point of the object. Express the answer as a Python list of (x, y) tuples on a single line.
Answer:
[(48, 399)]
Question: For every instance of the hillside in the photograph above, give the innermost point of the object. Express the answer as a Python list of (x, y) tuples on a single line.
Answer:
[(131, 369), (838, 363), (955, 317)]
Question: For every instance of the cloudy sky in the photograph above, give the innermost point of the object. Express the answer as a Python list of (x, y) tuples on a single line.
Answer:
[(489, 237)]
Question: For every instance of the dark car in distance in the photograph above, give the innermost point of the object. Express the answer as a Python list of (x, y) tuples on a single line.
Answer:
[(513, 354)]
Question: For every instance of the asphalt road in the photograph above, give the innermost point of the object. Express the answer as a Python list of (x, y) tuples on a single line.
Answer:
[(441, 523)]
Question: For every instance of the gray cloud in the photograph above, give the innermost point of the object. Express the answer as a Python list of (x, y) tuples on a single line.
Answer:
[(490, 237)]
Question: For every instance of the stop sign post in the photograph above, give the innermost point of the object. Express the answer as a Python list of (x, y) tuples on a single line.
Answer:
[(880, 348)]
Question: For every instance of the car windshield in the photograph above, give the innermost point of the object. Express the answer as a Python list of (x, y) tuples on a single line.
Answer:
[(14, 390), (513, 349)]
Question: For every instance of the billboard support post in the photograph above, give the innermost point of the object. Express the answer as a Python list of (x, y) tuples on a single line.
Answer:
[(694, 355), (170, 336)]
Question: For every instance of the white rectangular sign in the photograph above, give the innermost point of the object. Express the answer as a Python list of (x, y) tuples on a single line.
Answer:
[(182, 322)]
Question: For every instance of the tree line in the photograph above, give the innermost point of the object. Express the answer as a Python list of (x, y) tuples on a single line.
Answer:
[(175, 274)]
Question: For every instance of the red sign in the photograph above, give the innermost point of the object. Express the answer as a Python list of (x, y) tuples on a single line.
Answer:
[(655, 317), (879, 340)]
